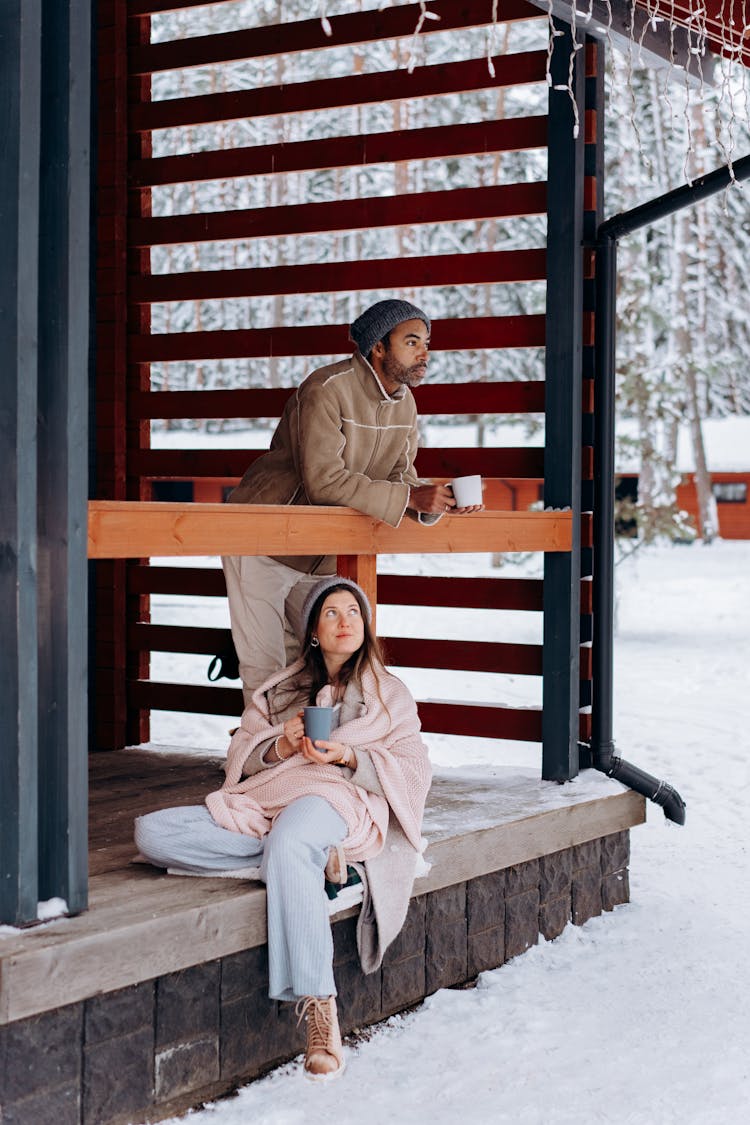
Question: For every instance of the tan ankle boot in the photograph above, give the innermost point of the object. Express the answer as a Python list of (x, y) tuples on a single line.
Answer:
[(324, 1056)]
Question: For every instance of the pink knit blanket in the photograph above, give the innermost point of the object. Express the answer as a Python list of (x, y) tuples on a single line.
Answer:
[(388, 730)]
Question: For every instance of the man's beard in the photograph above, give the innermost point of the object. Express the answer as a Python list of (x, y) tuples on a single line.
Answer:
[(398, 372)]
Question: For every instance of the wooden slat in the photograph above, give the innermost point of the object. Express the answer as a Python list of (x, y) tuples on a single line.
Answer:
[(523, 463), (587, 597), (403, 652), (587, 529), (587, 463), (129, 529), (437, 142), (155, 695), (498, 202), (144, 637), (333, 93), (203, 582), (586, 662), (449, 335), (433, 398), (482, 720), (393, 589), (255, 402), (362, 569), (467, 593), (308, 35), (191, 464), (472, 656), (496, 267)]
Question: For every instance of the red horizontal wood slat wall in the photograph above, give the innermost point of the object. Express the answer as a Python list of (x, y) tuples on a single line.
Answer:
[(394, 274)]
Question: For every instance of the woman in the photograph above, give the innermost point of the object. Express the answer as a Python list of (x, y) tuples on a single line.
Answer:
[(302, 809)]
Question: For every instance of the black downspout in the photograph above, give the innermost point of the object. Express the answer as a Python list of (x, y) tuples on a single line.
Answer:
[(603, 755)]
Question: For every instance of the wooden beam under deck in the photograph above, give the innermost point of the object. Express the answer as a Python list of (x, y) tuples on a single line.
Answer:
[(133, 529)]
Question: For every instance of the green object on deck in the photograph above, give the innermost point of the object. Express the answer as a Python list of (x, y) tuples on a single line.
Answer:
[(353, 877)]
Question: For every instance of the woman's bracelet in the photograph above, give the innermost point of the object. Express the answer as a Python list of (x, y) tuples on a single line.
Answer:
[(279, 755), (348, 756)]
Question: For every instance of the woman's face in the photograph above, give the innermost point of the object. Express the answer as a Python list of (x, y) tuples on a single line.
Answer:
[(340, 627)]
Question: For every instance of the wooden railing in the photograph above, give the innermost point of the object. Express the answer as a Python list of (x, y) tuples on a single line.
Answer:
[(132, 529)]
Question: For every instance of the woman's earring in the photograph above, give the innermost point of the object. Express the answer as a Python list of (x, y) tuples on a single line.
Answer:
[(314, 642)]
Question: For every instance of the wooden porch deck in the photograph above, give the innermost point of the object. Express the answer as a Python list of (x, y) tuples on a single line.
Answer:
[(141, 923)]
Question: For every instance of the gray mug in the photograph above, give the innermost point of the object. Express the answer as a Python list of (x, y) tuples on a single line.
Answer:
[(318, 722)]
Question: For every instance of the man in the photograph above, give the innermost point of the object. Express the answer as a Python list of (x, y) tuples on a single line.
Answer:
[(348, 436)]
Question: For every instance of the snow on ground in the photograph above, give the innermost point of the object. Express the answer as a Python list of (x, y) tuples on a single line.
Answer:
[(638, 1017)]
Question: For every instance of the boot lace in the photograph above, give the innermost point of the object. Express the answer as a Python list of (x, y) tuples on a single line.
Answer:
[(317, 1012)]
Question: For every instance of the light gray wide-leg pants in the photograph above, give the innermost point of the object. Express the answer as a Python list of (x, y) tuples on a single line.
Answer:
[(292, 862)]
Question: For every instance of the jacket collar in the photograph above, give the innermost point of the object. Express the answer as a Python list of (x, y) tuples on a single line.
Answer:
[(366, 369)]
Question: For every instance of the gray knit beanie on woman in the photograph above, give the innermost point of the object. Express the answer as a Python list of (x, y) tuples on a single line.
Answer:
[(377, 321), (319, 588)]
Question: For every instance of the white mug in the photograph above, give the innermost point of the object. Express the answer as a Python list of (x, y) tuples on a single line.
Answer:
[(467, 491)]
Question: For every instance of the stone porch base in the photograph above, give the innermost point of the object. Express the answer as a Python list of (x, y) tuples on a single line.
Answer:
[(147, 1051)]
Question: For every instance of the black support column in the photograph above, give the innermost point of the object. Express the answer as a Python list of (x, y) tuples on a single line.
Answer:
[(64, 255), (45, 74), (20, 71), (562, 458)]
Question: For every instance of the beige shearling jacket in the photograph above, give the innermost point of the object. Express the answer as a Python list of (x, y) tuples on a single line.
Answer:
[(342, 440)]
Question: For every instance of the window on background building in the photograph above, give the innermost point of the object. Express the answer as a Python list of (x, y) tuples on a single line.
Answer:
[(730, 492), (173, 491)]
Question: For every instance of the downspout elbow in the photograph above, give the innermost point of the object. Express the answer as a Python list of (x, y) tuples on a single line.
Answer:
[(660, 792)]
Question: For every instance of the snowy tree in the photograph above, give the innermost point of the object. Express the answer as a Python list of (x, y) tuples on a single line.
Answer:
[(683, 345)]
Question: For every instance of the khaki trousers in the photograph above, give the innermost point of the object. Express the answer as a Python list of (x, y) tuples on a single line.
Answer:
[(265, 604)]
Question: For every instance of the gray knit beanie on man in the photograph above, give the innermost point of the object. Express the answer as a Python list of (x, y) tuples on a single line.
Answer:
[(377, 321), (319, 588)]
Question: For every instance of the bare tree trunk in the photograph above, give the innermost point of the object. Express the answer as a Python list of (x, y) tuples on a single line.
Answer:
[(695, 359), (708, 516), (687, 367)]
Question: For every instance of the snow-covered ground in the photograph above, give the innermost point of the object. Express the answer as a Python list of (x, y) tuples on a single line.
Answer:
[(639, 1017)]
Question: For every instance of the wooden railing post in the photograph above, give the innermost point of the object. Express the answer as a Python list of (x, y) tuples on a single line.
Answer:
[(362, 569)]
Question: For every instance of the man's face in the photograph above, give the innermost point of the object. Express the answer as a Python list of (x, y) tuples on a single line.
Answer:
[(403, 360)]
